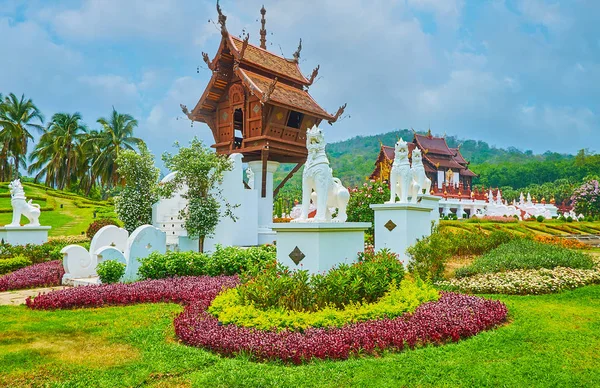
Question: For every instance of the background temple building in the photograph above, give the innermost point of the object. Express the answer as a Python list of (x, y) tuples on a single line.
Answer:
[(446, 167), (257, 103)]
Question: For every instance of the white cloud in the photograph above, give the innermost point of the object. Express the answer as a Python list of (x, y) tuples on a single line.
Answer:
[(545, 13), (447, 12)]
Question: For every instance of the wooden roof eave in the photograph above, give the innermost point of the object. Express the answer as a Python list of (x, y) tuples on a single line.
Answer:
[(198, 107), (236, 54)]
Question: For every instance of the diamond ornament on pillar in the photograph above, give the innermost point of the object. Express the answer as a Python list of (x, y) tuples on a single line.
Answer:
[(390, 225), (297, 256)]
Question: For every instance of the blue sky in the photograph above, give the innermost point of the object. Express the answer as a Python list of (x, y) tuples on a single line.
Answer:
[(521, 73)]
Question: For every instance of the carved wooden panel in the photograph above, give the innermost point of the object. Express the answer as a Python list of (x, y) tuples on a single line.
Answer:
[(236, 94), (290, 134), (307, 122), (275, 131), (255, 109), (279, 115)]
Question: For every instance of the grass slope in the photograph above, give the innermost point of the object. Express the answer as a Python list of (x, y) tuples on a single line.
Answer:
[(547, 228), (73, 218), (552, 340)]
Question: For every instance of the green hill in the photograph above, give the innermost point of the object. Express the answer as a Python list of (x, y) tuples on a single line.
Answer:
[(66, 213)]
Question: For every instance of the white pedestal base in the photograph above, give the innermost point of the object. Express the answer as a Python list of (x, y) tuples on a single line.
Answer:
[(266, 236), (318, 247), (433, 202), (399, 225), (23, 235)]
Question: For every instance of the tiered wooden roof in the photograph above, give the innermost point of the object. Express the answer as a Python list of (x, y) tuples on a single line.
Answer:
[(436, 156)]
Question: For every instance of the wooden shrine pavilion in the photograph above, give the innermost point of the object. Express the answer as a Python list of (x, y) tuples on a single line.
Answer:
[(446, 167), (257, 103)]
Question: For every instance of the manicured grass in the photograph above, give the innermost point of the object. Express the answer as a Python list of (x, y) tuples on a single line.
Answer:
[(552, 340), (72, 219), (548, 227)]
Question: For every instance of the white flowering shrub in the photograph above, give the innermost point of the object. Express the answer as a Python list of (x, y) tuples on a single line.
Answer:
[(134, 205), (200, 170)]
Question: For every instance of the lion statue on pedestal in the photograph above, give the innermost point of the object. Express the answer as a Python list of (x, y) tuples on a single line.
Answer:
[(21, 206), (402, 183), (422, 182), (318, 176)]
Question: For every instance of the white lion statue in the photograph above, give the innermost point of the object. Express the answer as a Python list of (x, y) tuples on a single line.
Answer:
[(317, 176), (419, 175), (21, 206), (402, 183)]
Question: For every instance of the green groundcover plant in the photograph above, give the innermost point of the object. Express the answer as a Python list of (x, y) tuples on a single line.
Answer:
[(110, 271), (223, 261), (229, 308), (365, 281), (13, 264), (526, 254)]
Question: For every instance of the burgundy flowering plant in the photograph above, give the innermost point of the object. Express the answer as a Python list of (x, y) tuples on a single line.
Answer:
[(47, 274), (586, 199)]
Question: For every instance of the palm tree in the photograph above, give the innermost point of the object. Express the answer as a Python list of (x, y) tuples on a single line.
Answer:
[(116, 135), (16, 122), (57, 145)]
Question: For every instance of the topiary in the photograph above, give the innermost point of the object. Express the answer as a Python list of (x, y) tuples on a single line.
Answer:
[(110, 271), (97, 225), (540, 218), (569, 219)]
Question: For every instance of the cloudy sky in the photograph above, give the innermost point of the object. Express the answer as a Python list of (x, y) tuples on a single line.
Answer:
[(522, 73)]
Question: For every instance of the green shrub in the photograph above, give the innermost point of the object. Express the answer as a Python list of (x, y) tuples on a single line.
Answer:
[(430, 254), (361, 198), (364, 281), (224, 261), (229, 308), (540, 218), (110, 271), (526, 254), (13, 264), (97, 225)]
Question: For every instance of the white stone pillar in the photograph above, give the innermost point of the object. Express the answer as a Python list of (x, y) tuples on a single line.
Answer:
[(265, 205)]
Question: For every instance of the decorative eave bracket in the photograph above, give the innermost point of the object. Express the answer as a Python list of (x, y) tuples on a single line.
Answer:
[(337, 115)]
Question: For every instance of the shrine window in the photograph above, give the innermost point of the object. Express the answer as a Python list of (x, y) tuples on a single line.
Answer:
[(295, 119), (238, 126)]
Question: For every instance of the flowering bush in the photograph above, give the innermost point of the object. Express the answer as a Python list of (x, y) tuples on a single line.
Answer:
[(229, 308), (97, 225), (68, 240), (202, 289), (362, 197), (451, 318), (524, 282), (110, 271), (224, 261), (366, 280), (47, 274), (495, 219), (586, 199), (526, 254), (14, 263), (562, 242)]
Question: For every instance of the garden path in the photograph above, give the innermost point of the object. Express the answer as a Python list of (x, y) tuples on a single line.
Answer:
[(17, 297)]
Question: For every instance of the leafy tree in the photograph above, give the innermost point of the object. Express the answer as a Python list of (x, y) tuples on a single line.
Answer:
[(116, 136), (134, 204), (17, 118), (586, 199), (199, 172)]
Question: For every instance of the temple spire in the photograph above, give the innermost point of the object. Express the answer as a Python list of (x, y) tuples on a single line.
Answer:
[(263, 31)]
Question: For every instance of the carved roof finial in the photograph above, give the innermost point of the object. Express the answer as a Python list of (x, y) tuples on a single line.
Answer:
[(314, 74), (222, 19), (263, 31), (186, 112), (337, 115), (209, 63), (429, 133), (267, 94), (297, 53)]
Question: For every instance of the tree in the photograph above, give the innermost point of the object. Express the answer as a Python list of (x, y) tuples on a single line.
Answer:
[(56, 155), (199, 171), (17, 118), (134, 204), (586, 199), (116, 136)]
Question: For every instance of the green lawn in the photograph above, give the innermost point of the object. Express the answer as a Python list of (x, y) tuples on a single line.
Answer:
[(72, 219), (552, 340)]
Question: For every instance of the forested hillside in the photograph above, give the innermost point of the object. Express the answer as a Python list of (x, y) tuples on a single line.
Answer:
[(353, 160)]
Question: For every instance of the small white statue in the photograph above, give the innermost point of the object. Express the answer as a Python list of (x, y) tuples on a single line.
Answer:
[(21, 206), (401, 176), (250, 175), (419, 176), (318, 176)]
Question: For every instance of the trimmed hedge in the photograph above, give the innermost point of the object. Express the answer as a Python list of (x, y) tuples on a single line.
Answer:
[(13, 264)]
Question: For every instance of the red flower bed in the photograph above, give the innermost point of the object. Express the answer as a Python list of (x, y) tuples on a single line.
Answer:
[(201, 289), (47, 274), (451, 318)]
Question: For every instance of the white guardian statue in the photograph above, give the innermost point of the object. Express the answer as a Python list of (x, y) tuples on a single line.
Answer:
[(318, 176), (21, 206), (422, 182), (402, 183)]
